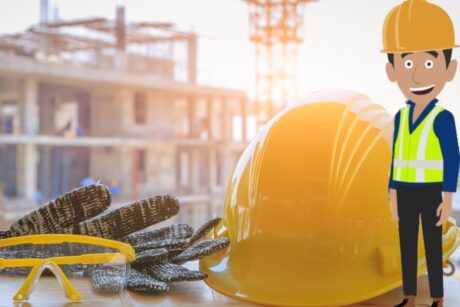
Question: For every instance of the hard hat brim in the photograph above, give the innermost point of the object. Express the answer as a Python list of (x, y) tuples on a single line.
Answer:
[(305, 281), (416, 50), (254, 272)]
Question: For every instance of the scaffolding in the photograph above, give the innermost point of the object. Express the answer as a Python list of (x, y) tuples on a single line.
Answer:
[(276, 31), (104, 43)]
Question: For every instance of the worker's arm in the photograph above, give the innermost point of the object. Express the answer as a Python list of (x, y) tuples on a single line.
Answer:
[(391, 183), (444, 127)]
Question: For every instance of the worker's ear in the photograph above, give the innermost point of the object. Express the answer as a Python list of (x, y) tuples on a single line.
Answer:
[(451, 70), (390, 72)]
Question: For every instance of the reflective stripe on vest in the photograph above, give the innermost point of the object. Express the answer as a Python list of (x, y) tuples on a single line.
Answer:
[(418, 156), (434, 164)]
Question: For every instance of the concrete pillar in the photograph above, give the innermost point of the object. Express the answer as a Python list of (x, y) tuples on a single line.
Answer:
[(27, 157), (212, 169), (28, 106), (120, 38), (193, 184), (209, 117), (226, 164), (44, 171), (226, 120), (192, 59), (192, 123), (125, 103), (244, 120), (26, 179), (178, 170), (212, 148), (193, 170), (47, 114)]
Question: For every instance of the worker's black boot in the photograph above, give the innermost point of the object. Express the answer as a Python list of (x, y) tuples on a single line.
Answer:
[(408, 301), (437, 303)]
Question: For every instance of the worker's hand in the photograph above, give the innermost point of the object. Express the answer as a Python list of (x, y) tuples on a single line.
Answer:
[(444, 211), (394, 205)]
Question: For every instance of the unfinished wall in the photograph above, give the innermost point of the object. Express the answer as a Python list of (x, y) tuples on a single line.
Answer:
[(107, 164), (160, 172), (157, 120), (106, 110)]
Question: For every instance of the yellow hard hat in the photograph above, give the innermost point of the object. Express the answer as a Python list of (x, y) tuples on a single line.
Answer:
[(307, 209), (417, 25)]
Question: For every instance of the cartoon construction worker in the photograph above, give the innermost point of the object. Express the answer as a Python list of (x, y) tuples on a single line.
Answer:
[(418, 38)]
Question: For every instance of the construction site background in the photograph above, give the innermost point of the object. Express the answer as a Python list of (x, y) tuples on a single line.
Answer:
[(117, 102), (120, 102)]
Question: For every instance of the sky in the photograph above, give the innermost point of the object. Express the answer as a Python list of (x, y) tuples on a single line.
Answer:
[(342, 40)]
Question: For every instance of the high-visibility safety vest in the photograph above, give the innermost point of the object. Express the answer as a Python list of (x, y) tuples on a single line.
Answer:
[(418, 155)]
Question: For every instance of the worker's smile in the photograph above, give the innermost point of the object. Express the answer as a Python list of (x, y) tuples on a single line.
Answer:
[(422, 90)]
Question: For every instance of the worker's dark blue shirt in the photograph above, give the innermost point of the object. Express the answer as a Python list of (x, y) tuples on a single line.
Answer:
[(444, 128)]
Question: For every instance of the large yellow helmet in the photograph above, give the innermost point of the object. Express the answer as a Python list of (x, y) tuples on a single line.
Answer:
[(307, 209), (417, 25)]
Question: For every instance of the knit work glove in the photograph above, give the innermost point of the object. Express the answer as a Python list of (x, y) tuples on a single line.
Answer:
[(83, 211), (79, 212), (160, 253), (65, 211)]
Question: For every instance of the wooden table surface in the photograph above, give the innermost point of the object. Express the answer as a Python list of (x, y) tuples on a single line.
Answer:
[(197, 293)]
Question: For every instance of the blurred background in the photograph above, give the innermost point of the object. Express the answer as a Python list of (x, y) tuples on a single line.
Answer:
[(153, 97)]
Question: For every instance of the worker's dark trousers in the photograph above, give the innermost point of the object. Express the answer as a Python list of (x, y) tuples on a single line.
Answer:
[(414, 201)]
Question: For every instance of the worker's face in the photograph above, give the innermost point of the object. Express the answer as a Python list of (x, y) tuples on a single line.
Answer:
[(421, 76)]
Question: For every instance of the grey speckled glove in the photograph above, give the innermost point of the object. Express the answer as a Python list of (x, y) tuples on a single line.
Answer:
[(128, 219), (141, 282), (83, 211), (161, 252), (65, 211), (181, 244)]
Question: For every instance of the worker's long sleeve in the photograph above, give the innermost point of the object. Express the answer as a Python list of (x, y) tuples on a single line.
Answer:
[(444, 128), (391, 183)]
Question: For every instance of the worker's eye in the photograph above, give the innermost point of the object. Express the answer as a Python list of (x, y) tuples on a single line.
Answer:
[(429, 64), (408, 64)]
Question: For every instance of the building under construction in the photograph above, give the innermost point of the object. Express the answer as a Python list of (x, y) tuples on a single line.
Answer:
[(108, 100)]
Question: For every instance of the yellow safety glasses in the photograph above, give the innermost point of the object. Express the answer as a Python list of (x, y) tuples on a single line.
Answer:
[(79, 265)]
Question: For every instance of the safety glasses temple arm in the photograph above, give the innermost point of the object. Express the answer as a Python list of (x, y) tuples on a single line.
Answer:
[(42, 239), (83, 259), (90, 259), (18, 263)]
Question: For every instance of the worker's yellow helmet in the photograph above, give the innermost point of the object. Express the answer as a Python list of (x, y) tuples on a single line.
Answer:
[(417, 25), (307, 209)]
